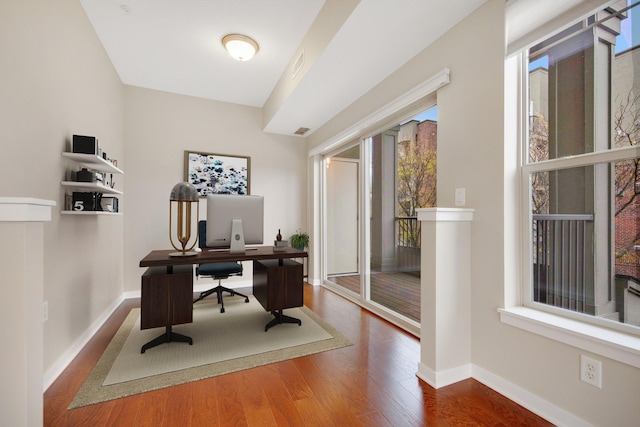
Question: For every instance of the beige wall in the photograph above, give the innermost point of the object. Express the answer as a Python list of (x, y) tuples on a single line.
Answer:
[(56, 81), (160, 126), (471, 155)]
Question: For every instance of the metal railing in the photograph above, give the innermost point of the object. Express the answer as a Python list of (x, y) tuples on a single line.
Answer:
[(408, 243), (560, 260)]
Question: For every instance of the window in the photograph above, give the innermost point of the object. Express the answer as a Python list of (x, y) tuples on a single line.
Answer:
[(582, 171)]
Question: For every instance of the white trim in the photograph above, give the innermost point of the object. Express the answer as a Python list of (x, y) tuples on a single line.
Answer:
[(526, 399), (531, 21), (25, 209), (583, 334), (356, 130), (519, 395), (67, 357), (343, 137), (445, 214), (445, 377), (408, 325), (615, 345), (586, 159)]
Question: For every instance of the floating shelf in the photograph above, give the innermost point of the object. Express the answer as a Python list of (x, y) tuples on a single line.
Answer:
[(91, 186), (91, 161), (90, 213)]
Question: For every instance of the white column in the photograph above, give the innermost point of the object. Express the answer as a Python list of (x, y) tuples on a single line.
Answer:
[(21, 312), (445, 337)]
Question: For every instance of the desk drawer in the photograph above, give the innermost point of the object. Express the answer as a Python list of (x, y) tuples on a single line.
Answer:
[(166, 299), (277, 286)]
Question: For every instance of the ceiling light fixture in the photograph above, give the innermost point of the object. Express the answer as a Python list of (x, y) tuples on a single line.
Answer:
[(240, 47)]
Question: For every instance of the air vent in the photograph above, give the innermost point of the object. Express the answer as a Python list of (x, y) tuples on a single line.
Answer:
[(297, 64), (301, 131)]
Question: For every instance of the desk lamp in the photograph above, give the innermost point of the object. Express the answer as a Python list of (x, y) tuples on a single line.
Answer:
[(184, 195)]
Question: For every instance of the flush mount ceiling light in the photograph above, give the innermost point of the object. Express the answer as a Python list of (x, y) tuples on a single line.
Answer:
[(240, 47)]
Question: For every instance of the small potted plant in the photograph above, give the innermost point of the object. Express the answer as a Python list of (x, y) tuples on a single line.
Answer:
[(299, 240)]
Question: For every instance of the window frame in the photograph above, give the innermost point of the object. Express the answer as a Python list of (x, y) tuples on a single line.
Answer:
[(614, 340), (527, 168)]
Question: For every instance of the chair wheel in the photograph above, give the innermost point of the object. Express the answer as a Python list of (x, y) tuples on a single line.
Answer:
[(222, 310), (246, 300)]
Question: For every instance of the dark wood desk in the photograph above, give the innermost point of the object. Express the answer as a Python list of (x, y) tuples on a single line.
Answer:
[(162, 258), (277, 284), (167, 292)]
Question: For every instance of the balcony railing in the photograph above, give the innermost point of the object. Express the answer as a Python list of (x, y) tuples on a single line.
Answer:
[(560, 260), (408, 244)]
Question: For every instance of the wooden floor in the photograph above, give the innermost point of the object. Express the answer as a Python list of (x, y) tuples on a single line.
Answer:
[(398, 291), (371, 383)]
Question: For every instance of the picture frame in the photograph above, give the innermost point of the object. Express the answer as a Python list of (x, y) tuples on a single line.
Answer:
[(213, 173)]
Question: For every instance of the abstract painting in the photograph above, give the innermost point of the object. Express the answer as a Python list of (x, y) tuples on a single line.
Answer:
[(217, 173)]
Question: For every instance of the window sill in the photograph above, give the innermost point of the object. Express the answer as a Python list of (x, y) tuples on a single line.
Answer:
[(605, 342)]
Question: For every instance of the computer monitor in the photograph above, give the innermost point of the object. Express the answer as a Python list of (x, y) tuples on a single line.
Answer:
[(234, 220)]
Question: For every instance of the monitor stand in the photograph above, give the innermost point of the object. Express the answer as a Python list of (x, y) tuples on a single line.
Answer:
[(237, 237)]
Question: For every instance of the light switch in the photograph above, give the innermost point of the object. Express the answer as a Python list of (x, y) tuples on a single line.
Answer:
[(460, 197)]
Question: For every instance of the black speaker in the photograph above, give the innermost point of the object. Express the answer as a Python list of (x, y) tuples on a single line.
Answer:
[(85, 144), (86, 201)]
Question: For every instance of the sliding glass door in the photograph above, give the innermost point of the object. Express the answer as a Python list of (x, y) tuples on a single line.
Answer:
[(342, 205), (396, 172)]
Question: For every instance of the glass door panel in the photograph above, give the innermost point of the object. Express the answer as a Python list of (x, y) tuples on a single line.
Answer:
[(342, 212), (402, 179), (384, 179)]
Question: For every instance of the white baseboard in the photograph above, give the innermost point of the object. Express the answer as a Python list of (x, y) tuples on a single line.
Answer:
[(526, 399), (63, 361), (443, 378), (522, 397), (67, 357)]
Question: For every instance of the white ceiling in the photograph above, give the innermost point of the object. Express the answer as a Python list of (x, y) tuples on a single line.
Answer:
[(175, 46)]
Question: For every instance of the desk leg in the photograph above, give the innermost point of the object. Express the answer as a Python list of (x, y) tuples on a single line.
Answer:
[(168, 336), (281, 318)]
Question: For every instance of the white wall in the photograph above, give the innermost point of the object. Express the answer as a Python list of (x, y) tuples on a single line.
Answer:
[(56, 81), (160, 126), (471, 155)]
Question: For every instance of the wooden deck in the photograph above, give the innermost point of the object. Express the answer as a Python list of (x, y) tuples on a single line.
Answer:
[(398, 291)]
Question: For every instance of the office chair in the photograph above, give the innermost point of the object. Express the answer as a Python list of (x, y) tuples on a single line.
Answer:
[(216, 270)]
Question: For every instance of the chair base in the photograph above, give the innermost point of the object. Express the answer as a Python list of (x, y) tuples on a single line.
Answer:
[(219, 290)]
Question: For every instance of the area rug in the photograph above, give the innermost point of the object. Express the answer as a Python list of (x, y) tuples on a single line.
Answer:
[(222, 343)]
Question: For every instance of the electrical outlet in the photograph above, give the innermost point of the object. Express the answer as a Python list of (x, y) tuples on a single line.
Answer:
[(45, 311), (591, 371)]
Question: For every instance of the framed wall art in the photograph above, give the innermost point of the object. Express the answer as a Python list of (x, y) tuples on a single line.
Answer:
[(214, 173)]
